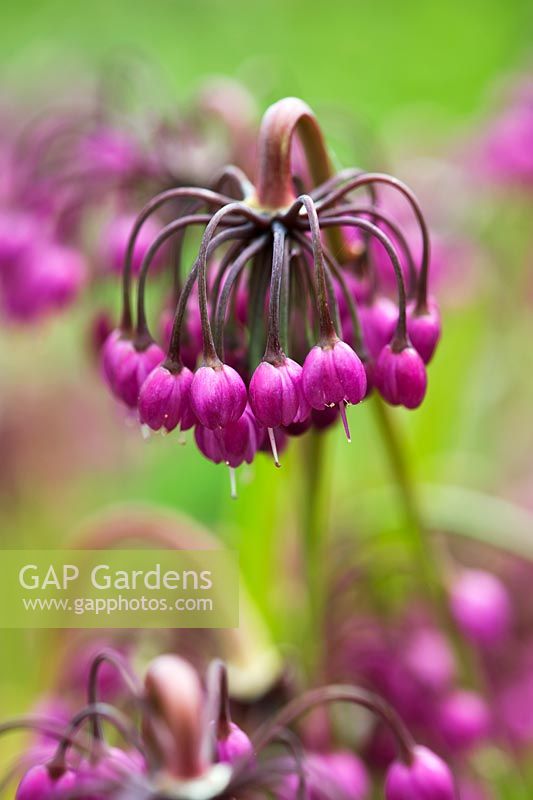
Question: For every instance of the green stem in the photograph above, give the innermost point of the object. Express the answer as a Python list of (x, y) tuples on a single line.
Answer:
[(425, 557), (313, 527), (406, 489)]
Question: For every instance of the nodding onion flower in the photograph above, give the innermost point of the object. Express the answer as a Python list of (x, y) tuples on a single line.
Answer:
[(293, 322), (185, 746)]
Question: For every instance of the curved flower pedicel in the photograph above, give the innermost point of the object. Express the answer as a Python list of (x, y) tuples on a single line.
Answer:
[(187, 746), (291, 323)]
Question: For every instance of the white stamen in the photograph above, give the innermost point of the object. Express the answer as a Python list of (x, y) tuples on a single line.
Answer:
[(274, 446), (233, 483), (145, 432), (342, 409)]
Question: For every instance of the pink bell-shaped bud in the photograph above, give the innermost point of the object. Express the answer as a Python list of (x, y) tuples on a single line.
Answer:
[(424, 329), (378, 322), (400, 377), (427, 777), (218, 395), (40, 783), (164, 398), (481, 607), (276, 395), (235, 746), (333, 375)]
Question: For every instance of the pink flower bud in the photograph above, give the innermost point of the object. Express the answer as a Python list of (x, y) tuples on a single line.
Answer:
[(114, 244), (234, 444), (235, 746), (164, 398), (400, 377), (48, 278), (114, 765), (427, 777), (130, 367), (424, 329), (218, 396), (333, 375), (378, 321), (276, 394), (481, 607), (464, 720), (429, 659), (39, 784)]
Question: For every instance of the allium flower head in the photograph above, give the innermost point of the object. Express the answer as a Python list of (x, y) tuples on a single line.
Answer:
[(281, 283), (187, 745)]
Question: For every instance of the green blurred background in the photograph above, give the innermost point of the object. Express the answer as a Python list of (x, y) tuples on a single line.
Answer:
[(379, 63)]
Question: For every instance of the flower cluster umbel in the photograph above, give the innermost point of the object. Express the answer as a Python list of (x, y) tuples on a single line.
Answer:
[(187, 746), (282, 321)]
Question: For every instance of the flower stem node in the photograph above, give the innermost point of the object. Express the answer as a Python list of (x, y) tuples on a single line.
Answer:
[(400, 376), (427, 777), (218, 395)]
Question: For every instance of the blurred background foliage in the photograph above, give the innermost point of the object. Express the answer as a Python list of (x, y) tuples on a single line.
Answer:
[(381, 77)]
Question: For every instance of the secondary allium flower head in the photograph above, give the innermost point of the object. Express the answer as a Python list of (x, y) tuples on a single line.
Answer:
[(66, 167), (186, 745), (41, 278), (281, 308)]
